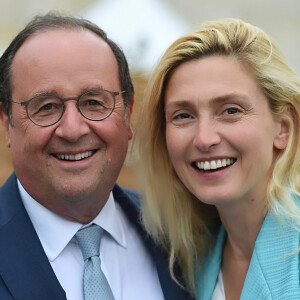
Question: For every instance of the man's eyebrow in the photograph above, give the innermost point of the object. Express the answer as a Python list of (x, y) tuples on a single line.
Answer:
[(88, 88), (42, 93), (57, 93)]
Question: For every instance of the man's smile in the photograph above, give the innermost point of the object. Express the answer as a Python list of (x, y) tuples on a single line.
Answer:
[(74, 157)]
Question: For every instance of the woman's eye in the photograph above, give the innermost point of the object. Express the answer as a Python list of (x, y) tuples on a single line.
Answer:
[(231, 110), (180, 119), (182, 116)]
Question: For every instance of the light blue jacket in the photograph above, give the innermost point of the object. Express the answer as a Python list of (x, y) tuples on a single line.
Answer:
[(273, 272)]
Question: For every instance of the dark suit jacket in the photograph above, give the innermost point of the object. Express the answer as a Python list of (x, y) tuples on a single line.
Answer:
[(25, 272)]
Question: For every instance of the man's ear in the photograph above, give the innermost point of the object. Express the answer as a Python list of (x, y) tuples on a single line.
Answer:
[(285, 127), (5, 124), (129, 114)]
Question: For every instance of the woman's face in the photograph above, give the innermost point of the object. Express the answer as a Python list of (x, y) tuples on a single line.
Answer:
[(221, 136)]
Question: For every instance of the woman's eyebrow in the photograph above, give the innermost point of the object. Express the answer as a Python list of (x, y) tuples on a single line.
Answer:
[(228, 97)]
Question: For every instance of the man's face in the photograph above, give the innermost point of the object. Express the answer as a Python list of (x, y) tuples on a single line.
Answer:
[(66, 63)]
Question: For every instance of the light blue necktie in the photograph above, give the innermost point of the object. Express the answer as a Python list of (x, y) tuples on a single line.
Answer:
[(95, 285)]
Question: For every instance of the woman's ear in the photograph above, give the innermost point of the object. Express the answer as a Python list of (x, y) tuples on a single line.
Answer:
[(285, 127)]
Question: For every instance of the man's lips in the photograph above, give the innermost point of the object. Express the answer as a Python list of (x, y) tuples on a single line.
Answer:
[(214, 164), (76, 156)]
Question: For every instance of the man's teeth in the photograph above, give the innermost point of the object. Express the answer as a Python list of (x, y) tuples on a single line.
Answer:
[(77, 156), (214, 164)]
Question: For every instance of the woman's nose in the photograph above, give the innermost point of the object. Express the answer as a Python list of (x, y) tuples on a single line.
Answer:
[(206, 135)]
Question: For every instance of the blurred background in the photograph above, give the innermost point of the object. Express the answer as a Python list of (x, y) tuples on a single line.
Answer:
[(145, 28)]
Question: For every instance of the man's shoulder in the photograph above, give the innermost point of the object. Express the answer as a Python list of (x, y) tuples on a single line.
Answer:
[(9, 185), (8, 191), (10, 201), (129, 196)]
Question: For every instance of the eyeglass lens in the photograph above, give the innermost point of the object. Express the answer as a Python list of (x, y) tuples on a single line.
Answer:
[(93, 105)]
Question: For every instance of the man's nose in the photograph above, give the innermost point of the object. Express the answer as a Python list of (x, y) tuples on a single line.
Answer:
[(206, 135), (73, 124)]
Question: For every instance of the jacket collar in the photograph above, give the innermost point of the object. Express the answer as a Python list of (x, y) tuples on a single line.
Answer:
[(273, 272), (274, 268), (207, 277)]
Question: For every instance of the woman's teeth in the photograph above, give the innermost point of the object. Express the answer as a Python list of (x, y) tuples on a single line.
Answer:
[(214, 164)]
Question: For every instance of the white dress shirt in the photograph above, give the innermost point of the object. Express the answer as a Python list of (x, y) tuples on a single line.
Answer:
[(219, 292), (125, 260)]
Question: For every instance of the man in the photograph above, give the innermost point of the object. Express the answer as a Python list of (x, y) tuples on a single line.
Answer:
[(67, 97)]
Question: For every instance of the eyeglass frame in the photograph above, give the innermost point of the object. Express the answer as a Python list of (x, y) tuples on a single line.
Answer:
[(63, 100)]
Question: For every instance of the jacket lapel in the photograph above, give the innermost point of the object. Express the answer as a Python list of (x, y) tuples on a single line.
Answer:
[(24, 266), (274, 268), (208, 274), (273, 272)]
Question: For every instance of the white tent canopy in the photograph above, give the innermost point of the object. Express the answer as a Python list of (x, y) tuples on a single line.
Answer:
[(142, 28)]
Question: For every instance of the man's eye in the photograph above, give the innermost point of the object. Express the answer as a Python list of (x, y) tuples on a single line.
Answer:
[(48, 106), (94, 102), (42, 108)]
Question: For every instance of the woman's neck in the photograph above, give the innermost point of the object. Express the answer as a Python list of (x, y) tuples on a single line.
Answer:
[(242, 221)]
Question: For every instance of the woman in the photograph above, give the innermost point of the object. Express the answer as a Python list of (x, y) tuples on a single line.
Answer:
[(219, 145)]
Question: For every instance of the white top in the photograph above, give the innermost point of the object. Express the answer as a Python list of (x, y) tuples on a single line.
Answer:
[(125, 260), (219, 292)]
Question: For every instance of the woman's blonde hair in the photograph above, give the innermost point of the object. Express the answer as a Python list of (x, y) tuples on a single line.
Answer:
[(171, 214)]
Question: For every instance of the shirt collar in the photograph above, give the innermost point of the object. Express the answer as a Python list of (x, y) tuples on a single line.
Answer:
[(56, 232)]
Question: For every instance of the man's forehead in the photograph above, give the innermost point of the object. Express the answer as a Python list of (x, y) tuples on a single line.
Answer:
[(58, 38), (66, 55)]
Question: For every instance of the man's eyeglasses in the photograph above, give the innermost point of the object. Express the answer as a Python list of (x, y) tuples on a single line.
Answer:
[(94, 105)]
